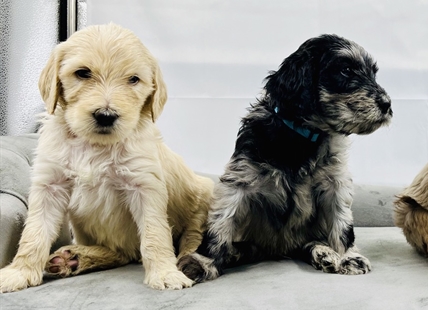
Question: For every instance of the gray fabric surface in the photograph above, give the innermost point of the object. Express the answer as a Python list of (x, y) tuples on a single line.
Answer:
[(13, 213), (373, 205), (16, 153), (397, 281)]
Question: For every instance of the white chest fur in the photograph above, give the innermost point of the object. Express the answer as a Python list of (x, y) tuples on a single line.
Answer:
[(98, 178)]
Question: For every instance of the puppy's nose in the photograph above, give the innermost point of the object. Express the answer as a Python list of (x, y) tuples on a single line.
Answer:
[(105, 117), (384, 104)]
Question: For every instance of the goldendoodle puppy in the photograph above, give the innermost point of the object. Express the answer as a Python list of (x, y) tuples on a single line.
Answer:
[(101, 162)]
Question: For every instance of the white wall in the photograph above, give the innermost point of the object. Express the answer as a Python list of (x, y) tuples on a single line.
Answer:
[(25, 45), (215, 55)]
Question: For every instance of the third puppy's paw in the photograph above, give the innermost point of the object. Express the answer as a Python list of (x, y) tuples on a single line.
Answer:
[(354, 264), (64, 262)]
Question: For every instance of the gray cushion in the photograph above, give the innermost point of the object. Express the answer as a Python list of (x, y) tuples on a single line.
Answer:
[(16, 159), (373, 205), (13, 214)]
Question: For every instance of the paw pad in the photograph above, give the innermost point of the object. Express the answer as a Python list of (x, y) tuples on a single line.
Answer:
[(62, 263)]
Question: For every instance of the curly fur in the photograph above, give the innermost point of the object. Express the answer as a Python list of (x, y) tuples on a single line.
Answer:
[(411, 212), (286, 190), (101, 161)]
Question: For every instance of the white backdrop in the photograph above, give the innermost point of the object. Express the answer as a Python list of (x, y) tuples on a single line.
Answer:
[(215, 54)]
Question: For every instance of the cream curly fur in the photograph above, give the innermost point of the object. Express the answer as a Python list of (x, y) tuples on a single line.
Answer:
[(411, 212), (126, 194)]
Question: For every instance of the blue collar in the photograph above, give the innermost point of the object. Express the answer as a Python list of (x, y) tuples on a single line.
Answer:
[(305, 132)]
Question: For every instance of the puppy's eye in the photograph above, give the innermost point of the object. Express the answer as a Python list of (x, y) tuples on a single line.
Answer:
[(133, 80), (346, 72), (83, 73)]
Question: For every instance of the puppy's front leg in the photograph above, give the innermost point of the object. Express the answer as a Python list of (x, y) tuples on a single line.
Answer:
[(335, 200), (192, 234), (148, 205), (48, 200), (353, 263)]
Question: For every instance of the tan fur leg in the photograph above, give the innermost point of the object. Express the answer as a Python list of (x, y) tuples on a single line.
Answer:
[(192, 236), (156, 246), (42, 226), (71, 260)]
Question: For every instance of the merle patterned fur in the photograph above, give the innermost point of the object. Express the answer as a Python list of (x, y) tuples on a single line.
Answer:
[(284, 193)]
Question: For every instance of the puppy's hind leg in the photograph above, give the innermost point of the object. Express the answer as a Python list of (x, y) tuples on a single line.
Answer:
[(75, 259)]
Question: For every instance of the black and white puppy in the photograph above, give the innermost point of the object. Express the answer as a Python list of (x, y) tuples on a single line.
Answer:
[(286, 191)]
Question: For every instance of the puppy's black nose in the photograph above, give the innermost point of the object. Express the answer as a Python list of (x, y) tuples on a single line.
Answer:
[(384, 104), (105, 117)]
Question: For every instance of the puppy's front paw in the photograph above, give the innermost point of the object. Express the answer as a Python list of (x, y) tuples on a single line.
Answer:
[(14, 278), (198, 268), (64, 262), (325, 258), (173, 279), (355, 264)]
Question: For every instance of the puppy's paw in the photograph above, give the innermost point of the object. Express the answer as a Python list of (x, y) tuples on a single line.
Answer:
[(354, 264), (325, 258), (173, 279), (64, 262), (177, 280), (14, 278), (198, 268)]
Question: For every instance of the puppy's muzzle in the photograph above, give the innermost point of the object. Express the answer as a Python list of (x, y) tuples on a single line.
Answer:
[(105, 117)]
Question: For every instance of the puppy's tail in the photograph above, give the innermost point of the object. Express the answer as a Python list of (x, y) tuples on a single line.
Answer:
[(412, 217)]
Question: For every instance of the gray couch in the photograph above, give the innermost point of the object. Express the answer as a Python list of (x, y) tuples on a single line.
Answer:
[(398, 280)]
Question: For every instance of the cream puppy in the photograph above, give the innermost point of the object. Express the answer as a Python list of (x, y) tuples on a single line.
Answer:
[(101, 162), (411, 212)]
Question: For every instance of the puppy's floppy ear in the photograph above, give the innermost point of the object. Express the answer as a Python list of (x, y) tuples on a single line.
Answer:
[(159, 96), (293, 87), (49, 82)]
